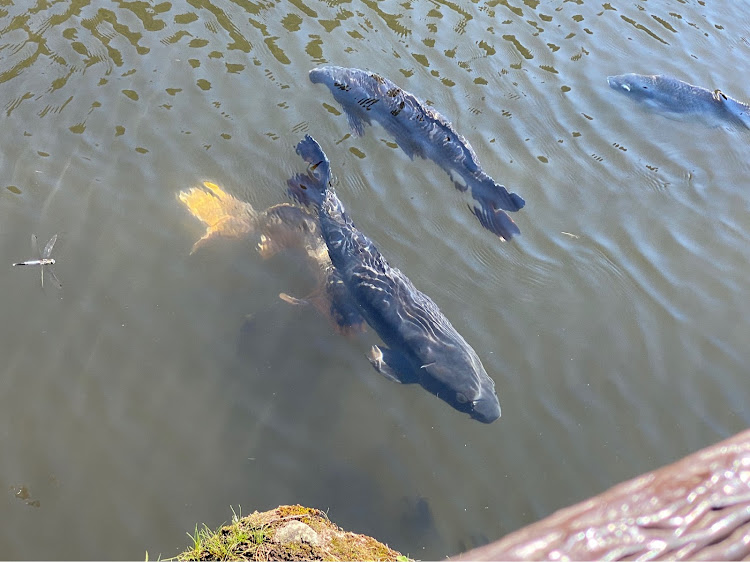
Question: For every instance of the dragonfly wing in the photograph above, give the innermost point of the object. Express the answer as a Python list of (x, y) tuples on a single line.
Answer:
[(52, 273), (34, 247), (48, 247), (41, 272)]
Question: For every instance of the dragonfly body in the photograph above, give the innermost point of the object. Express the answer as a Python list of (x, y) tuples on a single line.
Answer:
[(44, 261)]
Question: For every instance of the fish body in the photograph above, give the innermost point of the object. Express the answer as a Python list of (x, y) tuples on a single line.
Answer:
[(422, 345), (285, 226), (421, 131), (677, 98), (280, 227)]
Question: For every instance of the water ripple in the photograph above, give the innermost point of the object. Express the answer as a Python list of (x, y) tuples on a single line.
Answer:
[(614, 325)]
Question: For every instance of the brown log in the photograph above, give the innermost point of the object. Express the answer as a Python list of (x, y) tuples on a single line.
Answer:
[(696, 508)]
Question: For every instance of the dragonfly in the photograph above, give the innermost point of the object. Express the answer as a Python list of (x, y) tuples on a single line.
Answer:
[(44, 261)]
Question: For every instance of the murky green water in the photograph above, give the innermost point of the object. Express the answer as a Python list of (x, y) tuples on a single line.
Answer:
[(133, 403)]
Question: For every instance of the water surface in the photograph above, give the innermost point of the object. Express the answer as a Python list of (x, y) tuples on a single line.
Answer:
[(140, 400)]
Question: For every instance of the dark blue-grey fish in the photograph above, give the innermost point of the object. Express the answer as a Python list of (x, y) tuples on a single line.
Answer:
[(421, 131), (422, 345), (677, 98)]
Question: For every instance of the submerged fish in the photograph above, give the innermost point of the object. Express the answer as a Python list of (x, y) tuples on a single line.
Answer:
[(421, 131), (281, 227), (675, 97), (422, 345), (225, 216)]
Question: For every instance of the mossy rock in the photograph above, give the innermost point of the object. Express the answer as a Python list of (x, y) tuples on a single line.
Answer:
[(269, 536)]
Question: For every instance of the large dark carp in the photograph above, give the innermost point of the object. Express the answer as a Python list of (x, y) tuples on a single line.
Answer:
[(677, 98), (423, 346), (421, 131)]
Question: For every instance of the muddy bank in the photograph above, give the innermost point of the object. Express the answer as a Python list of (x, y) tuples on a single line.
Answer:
[(289, 532)]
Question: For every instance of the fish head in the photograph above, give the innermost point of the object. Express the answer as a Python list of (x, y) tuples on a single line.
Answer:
[(459, 378), (338, 79), (356, 90), (633, 85), (350, 84), (323, 74), (335, 77), (667, 94), (622, 82)]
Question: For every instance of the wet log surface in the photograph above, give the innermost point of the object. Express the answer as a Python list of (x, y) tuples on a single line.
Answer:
[(697, 508)]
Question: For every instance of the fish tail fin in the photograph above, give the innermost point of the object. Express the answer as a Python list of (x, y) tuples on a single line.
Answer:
[(517, 201), (488, 190), (224, 215), (310, 187), (496, 221)]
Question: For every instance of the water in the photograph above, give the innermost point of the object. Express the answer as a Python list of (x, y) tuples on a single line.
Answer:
[(137, 401)]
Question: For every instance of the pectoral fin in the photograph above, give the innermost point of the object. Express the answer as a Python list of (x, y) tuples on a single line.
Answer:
[(496, 221), (343, 315), (289, 299), (392, 365), (356, 123), (344, 310), (462, 186), (404, 138)]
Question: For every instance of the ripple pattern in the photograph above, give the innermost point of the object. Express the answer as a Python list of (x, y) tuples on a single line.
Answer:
[(614, 326)]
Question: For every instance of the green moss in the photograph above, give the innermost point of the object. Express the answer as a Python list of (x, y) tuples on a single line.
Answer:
[(359, 547), (296, 510), (253, 538)]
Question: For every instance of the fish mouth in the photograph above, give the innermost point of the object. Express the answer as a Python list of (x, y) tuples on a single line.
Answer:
[(317, 75), (618, 84), (486, 409)]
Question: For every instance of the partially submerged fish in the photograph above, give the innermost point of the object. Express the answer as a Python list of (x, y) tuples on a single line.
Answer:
[(281, 227), (421, 131), (672, 96), (422, 345)]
